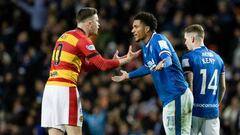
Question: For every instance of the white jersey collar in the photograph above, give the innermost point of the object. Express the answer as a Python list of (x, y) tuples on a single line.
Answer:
[(150, 39)]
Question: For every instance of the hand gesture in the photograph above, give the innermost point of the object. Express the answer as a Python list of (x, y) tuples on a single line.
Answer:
[(115, 56), (132, 55), (128, 57), (160, 65), (120, 78)]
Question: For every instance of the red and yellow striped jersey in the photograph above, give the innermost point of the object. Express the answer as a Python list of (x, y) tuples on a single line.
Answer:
[(73, 52)]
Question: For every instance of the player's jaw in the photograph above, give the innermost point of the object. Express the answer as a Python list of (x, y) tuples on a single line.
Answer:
[(138, 36)]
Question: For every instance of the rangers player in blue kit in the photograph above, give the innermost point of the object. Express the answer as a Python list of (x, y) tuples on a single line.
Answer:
[(161, 61), (204, 71)]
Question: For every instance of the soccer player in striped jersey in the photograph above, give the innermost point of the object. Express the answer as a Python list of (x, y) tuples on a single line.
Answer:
[(161, 61), (74, 52), (204, 71)]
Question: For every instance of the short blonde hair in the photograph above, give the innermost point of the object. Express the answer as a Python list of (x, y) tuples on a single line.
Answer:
[(195, 28), (85, 13)]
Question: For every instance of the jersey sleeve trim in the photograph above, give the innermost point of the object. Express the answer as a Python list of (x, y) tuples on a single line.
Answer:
[(185, 69), (92, 55), (165, 51)]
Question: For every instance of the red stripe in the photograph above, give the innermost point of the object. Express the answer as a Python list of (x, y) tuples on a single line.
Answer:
[(68, 48), (72, 120), (83, 39), (61, 80), (77, 33), (104, 64), (65, 66)]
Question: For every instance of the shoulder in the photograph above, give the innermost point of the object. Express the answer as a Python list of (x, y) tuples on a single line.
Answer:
[(80, 36), (188, 54), (186, 58), (216, 55), (158, 36), (160, 40)]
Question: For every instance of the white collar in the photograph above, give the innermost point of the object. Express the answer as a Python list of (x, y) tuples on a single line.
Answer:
[(150, 39)]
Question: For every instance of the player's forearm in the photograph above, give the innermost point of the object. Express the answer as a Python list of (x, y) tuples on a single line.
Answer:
[(168, 59), (189, 78), (222, 86), (104, 64), (168, 62), (141, 71), (89, 67)]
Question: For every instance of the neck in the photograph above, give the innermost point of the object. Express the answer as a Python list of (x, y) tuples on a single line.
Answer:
[(147, 38), (83, 28), (198, 45)]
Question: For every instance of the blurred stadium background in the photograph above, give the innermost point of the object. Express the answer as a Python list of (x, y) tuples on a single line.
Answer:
[(29, 28)]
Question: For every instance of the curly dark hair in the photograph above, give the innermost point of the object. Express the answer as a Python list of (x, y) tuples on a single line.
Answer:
[(148, 19)]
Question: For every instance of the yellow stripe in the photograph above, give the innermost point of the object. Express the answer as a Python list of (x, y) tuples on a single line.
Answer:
[(69, 39), (69, 58), (66, 74), (59, 83)]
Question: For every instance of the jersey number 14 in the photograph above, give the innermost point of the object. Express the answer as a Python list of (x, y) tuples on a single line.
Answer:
[(212, 85)]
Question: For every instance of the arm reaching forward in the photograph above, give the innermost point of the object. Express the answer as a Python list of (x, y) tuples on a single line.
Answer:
[(122, 77), (128, 57), (141, 71)]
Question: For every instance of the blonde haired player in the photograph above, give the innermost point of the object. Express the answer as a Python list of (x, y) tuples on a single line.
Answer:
[(204, 71), (73, 53)]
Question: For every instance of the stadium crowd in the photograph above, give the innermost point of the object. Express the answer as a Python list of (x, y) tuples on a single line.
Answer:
[(29, 29)]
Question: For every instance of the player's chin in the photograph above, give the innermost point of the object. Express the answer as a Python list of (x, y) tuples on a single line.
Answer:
[(137, 39)]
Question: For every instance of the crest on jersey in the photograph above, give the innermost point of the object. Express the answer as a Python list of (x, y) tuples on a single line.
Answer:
[(163, 44), (90, 47), (185, 63), (81, 118)]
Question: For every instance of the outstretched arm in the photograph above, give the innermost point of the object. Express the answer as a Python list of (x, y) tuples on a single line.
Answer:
[(142, 71), (128, 57), (27, 8), (122, 77), (165, 62), (98, 62)]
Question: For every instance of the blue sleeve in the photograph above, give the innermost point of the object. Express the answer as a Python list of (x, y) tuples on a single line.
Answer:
[(25, 7), (86, 116), (163, 50), (168, 58), (141, 71), (223, 67), (186, 63)]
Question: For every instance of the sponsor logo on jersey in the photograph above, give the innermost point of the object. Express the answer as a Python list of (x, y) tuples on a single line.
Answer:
[(64, 36), (90, 47), (81, 118), (151, 65), (52, 74)]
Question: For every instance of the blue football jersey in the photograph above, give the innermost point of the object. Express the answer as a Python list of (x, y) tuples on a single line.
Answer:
[(207, 67), (169, 82)]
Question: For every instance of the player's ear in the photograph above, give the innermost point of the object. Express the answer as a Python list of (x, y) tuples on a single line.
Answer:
[(193, 39), (147, 28)]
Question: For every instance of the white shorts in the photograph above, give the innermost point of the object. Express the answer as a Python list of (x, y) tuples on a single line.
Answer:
[(177, 115), (61, 106), (205, 126)]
